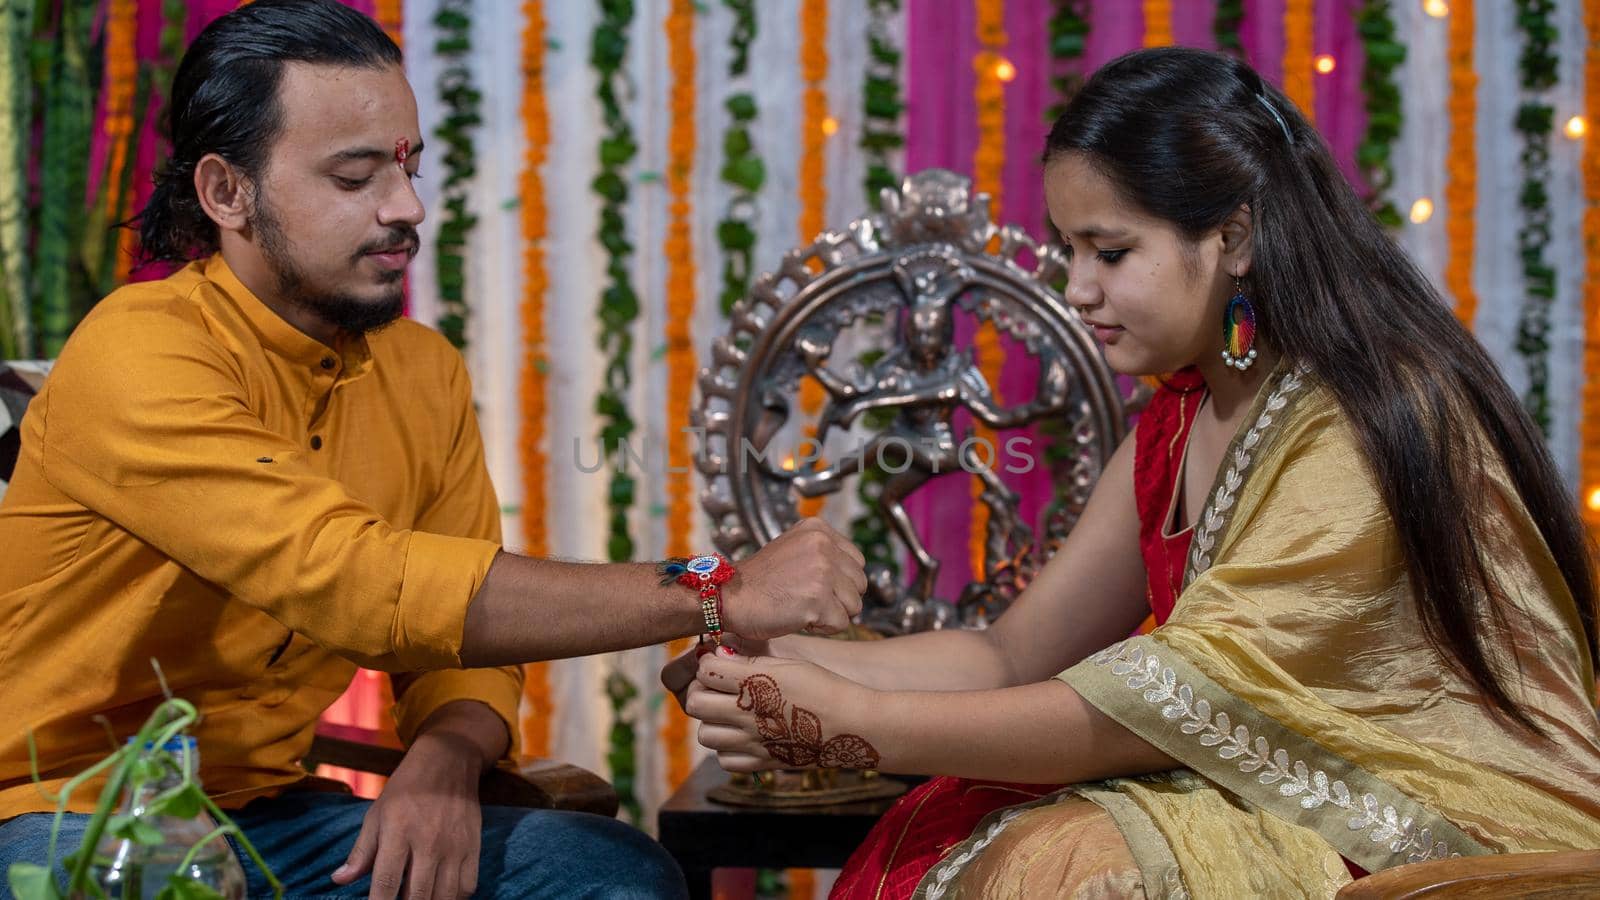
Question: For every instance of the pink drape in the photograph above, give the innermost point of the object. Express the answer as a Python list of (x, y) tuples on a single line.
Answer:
[(942, 131)]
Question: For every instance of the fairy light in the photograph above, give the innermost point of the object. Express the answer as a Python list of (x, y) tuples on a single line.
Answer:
[(1421, 211), (1436, 8), (1005, 71), (1576, 127), (1325, 64), (830, 126), (1593, 500)]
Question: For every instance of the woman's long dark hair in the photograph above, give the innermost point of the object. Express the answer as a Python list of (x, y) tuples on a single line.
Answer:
[(1191, 136), (225, 101)]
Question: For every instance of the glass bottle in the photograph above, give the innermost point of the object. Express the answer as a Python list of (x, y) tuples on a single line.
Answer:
[(127, 869)]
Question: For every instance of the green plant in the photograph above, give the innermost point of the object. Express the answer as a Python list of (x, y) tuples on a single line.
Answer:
[(143, 759)]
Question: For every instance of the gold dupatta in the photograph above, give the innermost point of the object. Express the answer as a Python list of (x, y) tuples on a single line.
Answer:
[(1315, 720)]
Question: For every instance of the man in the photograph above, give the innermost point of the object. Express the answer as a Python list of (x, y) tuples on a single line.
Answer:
[(234, 471)]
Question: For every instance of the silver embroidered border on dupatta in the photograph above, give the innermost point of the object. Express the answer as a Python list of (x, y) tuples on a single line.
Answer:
[(1364, 818), (1367, 820)]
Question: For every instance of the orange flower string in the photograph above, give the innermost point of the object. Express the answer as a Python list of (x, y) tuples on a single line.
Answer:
[(121, 79), (988, 168), (1157, 23), (1589, 430), (679, 251), (812, 191), (1299, 32), (1461, 169), (535, 364), (390, 16)]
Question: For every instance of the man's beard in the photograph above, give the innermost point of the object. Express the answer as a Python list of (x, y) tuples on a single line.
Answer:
[(346, 312)]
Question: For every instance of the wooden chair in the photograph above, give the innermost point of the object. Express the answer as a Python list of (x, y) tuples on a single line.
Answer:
[(530, 783)]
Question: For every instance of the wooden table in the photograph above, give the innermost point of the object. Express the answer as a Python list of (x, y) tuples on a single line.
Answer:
[(702, 835)]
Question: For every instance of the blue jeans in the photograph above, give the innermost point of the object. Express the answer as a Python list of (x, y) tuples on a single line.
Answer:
[(304, 836)]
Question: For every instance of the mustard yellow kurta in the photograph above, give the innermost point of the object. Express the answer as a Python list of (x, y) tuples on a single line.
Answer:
[(1315, 720), (204, 485)]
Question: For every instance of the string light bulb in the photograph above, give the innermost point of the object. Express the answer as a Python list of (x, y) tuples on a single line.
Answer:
[(1436, 8), (1421, 211), (1005, 71), (830, 126), (1576, 127), (1593, 500), (1325, 64)]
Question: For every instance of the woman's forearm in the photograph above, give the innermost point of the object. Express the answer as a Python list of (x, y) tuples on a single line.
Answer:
[(953, 660), (1043, 733)]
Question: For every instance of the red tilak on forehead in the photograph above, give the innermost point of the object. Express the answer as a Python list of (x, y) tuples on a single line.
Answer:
[(402, 150)]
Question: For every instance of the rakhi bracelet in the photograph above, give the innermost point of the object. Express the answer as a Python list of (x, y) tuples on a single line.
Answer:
[(705, 575)]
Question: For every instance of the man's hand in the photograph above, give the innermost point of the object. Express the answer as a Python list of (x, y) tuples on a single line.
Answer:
[(426, 828), (810, 579)]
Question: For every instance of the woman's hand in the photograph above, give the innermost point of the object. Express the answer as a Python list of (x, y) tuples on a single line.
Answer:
[(679, 672), (761, 713)]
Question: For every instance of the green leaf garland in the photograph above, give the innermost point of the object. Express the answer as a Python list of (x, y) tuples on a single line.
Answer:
[(1384, 53), (1226, 23), (619, 307), (1069, 38), (881, 134), (63, 176), (16, 95), (742, 169), (1535, 122), (881, 137), (460, 100), (619, 303)]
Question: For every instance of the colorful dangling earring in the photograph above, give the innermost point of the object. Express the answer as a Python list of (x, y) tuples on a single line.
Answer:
[(1239, 331)]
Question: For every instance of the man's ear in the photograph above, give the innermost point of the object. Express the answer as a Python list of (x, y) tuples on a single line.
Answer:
[(225, 194), (1238, 241)]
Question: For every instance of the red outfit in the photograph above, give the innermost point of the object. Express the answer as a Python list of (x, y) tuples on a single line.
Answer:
[(922, 826)]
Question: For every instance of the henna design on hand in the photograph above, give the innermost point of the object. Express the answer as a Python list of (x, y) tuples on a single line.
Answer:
[(798, 742)]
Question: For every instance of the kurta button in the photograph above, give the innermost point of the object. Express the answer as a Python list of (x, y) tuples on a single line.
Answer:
[(316, 442), (327, 362)]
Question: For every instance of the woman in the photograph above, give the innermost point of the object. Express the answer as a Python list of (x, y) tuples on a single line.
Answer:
[(1376, 612)]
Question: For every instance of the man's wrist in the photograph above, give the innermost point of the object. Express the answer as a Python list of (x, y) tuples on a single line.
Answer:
[(468, 729)]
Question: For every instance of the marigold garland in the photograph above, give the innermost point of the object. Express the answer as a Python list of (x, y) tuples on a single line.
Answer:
[(1461, 167), (390, 15), (1589, 446), (121, 86), (812, 190), (535, 362), (679, 251), (1157, 23), (988, 168), (1299, 32)]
